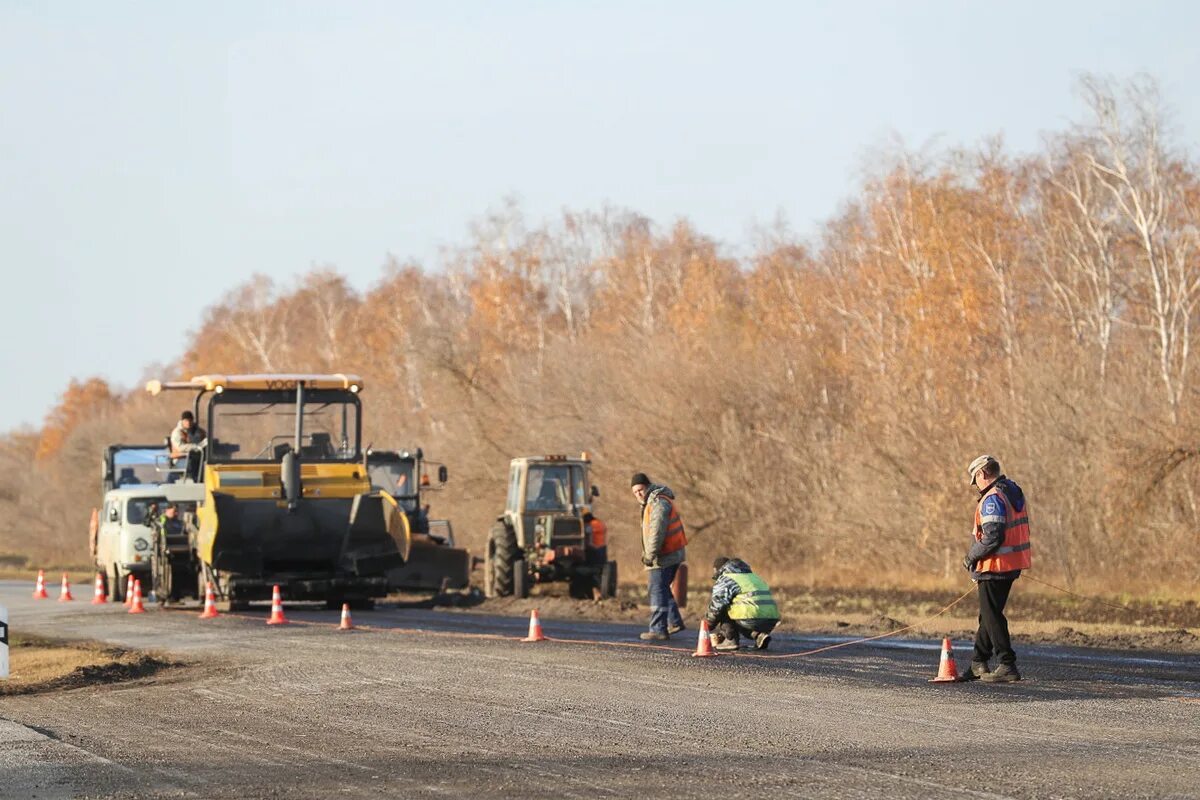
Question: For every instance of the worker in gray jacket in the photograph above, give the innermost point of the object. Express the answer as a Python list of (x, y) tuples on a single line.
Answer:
[(663, 550)]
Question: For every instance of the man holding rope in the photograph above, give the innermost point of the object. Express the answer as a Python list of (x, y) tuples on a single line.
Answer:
[(997, 556)]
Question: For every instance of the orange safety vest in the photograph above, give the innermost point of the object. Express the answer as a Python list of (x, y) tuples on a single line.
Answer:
[(599, 533), (675, 539), (1014, 552)]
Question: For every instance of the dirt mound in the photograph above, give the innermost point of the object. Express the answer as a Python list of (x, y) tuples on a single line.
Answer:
[(46, 665), (885, 624)]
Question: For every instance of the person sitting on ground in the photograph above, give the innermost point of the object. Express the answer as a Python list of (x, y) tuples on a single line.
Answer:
[(741, 605)]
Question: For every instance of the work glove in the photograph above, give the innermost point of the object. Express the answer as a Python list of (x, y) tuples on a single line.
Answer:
[(968, 564), (647, 561)]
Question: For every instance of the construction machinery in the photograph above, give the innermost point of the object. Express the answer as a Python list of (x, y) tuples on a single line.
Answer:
[(286, 498), (543, 537), (434, 562), (137, 482)]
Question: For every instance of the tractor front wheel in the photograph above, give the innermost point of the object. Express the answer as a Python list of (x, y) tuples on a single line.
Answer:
[(503, 549)]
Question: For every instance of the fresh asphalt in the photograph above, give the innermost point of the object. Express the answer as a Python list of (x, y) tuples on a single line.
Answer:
[(448, 703)]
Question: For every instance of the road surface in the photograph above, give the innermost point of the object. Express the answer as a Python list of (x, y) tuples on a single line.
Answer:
[(448, 704)]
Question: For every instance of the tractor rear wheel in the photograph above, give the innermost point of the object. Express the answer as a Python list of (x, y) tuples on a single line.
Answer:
[(503, 547), (608, 580), (581, 587)]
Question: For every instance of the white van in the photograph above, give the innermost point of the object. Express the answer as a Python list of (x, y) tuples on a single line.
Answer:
[(125, 540)]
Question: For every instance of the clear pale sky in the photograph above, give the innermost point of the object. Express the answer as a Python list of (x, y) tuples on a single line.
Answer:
[(154, 154)]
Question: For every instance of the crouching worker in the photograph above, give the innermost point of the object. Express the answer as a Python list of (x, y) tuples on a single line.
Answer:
[(741, 605)]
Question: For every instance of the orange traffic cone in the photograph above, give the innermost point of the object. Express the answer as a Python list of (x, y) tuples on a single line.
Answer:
[(99, 598), (346, 625), (64, 594), (947, 669), (210, 603), (39, 592), (535, 629), (277, 617), (704, 648), (129, 592), (136, 607)]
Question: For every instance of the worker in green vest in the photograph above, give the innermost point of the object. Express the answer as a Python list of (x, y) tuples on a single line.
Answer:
[(741, 605)]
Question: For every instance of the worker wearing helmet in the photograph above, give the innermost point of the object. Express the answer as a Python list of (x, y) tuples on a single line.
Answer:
[(741, 605), (999, 552)]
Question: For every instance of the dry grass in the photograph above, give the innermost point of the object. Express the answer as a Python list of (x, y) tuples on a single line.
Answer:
[(34, 660)]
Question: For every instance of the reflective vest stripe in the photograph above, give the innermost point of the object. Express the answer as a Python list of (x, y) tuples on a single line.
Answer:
[(753, 600), (675, 538), (1014, 551)]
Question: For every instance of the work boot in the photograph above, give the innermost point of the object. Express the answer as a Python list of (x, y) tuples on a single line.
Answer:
[(654, 636), (762, 640), (1005, 673), (673, 629), (720, 643), (978, 670)]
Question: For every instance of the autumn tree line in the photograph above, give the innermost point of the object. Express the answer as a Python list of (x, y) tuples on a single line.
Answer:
[(814, 403)]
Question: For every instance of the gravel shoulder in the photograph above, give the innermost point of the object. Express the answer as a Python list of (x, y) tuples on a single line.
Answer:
[(436, 703)]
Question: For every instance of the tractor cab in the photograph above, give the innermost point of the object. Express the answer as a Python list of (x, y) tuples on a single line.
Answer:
[(433, 562), (125, 465)]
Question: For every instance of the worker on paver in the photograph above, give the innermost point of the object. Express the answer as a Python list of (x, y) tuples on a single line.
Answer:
[(663, 550), (998, 554), (741, 605), (596, 550), (186, 442)]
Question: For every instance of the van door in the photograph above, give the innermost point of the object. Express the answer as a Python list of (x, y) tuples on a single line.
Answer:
[(110, 531)]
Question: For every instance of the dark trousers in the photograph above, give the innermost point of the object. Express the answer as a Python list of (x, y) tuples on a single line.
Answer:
[(663, 611), (597, 557), (991, 640), (735, 628)]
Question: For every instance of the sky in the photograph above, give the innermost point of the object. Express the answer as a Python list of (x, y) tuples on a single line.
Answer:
[(153, 155)]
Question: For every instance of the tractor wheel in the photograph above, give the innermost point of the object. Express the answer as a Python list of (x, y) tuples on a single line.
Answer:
[(608, 580), (520, 579), (504, 557), (581, 587)]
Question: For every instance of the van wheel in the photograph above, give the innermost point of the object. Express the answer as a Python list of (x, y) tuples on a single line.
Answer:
[(116, 593)]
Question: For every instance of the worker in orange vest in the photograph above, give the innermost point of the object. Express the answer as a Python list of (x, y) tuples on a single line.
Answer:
[(596, 550), (999, 552), (663, 550)]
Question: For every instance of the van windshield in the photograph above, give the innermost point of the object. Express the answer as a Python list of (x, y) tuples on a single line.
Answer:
[(138, 510)]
